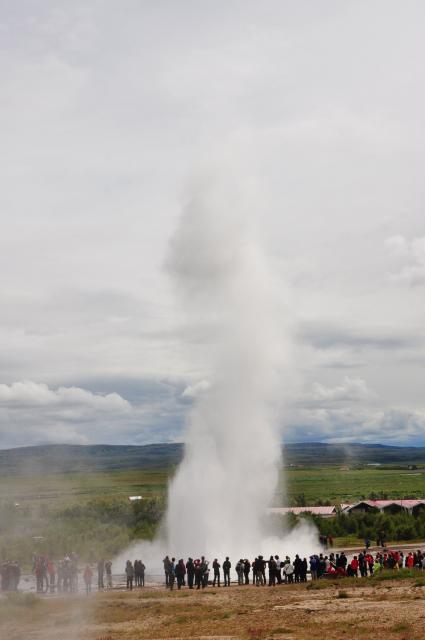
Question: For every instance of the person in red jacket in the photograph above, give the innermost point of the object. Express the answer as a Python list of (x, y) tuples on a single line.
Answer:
[(409, 561), (355, 566)]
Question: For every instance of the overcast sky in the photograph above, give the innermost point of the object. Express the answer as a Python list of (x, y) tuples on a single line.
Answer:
[(108, 109)]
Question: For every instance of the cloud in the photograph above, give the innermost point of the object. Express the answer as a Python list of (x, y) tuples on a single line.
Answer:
[(351, 412), (31, 394), (357, 424), (330, 336), (194, 390), (108, 115), (351, 389), (413, 253), (34, 413), (398, 245)]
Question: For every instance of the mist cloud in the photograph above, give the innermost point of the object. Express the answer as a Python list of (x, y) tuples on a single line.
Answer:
[(412, 254)]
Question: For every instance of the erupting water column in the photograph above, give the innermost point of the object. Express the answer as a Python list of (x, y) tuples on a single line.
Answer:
[(230, 468)]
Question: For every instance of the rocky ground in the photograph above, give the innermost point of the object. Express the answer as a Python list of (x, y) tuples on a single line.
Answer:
[(343, 609)]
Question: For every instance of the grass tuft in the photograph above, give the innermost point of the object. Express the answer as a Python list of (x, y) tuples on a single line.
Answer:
[(390, 574), (401, 626), (19, 599), (420, 582)]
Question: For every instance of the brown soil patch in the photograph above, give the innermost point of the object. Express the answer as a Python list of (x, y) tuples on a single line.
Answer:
[(394, 610)]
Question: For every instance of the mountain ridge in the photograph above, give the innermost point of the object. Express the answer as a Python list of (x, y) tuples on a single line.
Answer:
[(74, 458)]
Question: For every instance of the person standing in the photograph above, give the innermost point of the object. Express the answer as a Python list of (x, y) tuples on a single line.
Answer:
[(262, 564), (304, 568), (180, 573), (166, 563), (129, 570), (362, 564), (313, 567), (108, 570), (355, 566), (204, 571), (297, 568), (272, 572), (246, 570), (136, 573), (240, 571), (289, 572), (278, 572), (216, 568), (142, 573), (51, 571), (88, 575), (190, 569), (198, 573), (226, 571), (258, 571), (171, 573), (100, 572)]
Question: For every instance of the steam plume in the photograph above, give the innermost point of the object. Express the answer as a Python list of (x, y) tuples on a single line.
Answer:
[(229, 473)]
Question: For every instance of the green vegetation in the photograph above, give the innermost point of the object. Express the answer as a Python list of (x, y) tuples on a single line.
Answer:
[(397, 527), (309, 485), (401, 574), (385, 575), (333, 485), (86, 513), (99, 527), (402, 626), (55, 489), (90, 513)]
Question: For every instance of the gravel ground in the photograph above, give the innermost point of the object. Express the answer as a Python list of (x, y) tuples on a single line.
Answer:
[(391, 609)]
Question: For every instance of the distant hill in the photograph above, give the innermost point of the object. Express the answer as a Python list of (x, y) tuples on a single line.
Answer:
[(307, 453), (101, 457), (69, 458)]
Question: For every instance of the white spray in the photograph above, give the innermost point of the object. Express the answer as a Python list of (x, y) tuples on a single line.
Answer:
[(236, 325), (219, 496)]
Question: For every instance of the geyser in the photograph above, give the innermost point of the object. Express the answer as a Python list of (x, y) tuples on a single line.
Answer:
[(229, 473), (236, 333)]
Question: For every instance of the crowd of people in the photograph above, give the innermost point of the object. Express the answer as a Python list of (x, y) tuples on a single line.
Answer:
[(365, 563), (135, 573), (62, 576), (274, 571), (10, 575), (104, 575), (259, 572), (54, 576)]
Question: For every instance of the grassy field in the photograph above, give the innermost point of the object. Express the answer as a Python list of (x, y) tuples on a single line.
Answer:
[(314, 483), (90, 512), (59, 489), (338, 486)]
